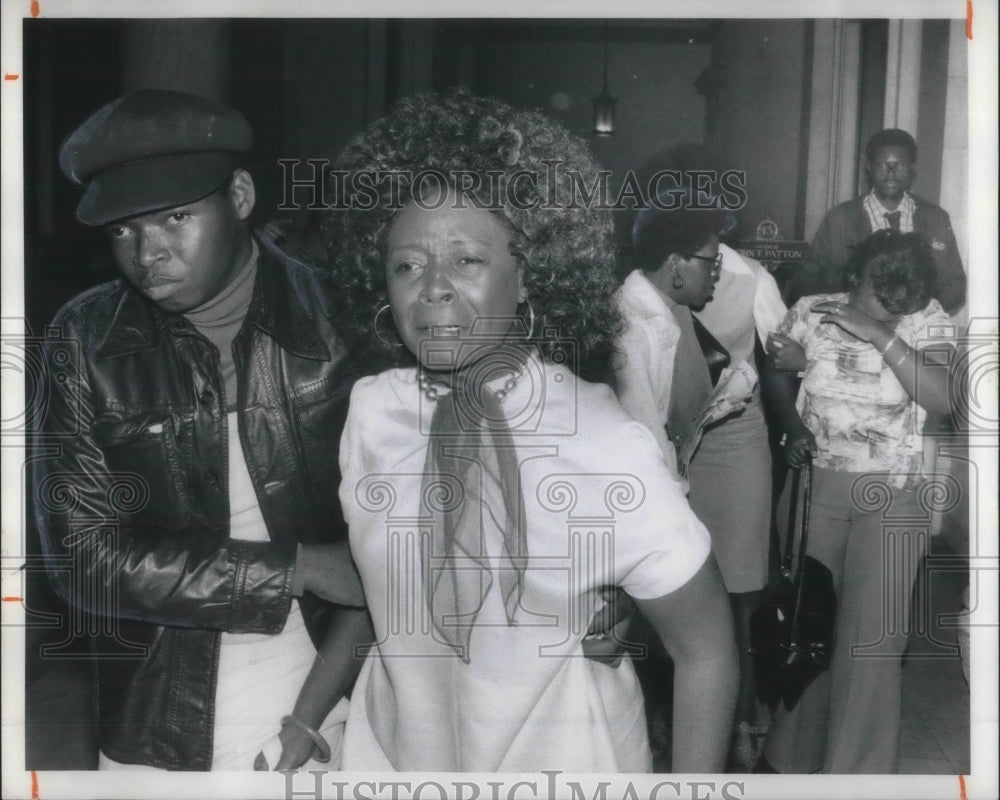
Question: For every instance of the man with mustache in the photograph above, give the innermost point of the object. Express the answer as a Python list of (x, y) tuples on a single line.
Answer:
[(890, 161)]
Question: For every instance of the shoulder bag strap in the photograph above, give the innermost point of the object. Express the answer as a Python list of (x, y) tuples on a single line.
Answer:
[(792, 531), (799, 580)]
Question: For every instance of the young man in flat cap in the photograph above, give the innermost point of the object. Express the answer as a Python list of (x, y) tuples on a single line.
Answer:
[(187, 489)]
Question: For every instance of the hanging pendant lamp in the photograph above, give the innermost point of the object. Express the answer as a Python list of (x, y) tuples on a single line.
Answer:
[(604, 103)]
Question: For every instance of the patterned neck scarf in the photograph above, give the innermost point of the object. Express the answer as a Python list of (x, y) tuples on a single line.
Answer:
[(470, 482)]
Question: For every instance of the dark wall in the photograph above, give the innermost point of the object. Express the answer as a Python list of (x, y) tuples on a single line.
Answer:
[(70, 68), (933, 91), (557, 66), (758, 114)]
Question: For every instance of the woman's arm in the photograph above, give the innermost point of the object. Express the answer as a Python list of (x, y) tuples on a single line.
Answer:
[(778, 389), (695, 624), (327, 571), (921, 373), (331, 677)]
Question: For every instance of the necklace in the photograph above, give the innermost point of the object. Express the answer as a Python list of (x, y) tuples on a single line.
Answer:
[(432, 392)]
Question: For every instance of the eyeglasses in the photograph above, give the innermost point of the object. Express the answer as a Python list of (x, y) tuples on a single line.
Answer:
[(894, 167), (715, 260)]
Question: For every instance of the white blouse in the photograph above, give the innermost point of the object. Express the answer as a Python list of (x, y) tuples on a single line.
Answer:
[(644, 358), (601, 509)]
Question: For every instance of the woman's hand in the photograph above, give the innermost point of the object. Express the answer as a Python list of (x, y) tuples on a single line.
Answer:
[(786, 354), (853, 321), (605, 639), (800, 444), (296, 748)]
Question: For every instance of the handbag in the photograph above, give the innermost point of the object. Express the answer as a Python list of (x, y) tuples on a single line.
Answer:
[(791, 633)]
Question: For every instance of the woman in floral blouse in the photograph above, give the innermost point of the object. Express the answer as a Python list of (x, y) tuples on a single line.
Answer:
[(876, 365)]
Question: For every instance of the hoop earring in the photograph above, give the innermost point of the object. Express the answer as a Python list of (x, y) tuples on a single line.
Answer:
[(677, 282), (379, 335), (531, 319)]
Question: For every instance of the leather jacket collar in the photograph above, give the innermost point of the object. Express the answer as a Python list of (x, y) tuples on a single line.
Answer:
[(277, 308)]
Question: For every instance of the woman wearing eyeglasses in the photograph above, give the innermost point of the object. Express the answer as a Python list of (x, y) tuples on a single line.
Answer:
[(708, 420), (661, 376)]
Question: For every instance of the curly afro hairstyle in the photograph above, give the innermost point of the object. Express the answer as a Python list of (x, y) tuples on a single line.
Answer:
[(532, 165), (901, 267)]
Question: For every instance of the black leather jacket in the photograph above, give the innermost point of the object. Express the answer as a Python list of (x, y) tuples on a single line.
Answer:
[(131, 493)]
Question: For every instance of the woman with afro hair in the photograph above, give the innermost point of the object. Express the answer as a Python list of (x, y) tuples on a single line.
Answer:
[(496, 498)]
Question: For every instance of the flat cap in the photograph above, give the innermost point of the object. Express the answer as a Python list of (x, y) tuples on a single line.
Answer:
[(150, 150)]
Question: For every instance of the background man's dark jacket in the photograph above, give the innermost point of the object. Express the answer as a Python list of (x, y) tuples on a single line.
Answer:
[(847, 224)]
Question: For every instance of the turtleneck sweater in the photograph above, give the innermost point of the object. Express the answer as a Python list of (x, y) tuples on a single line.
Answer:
[(220, 319)]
